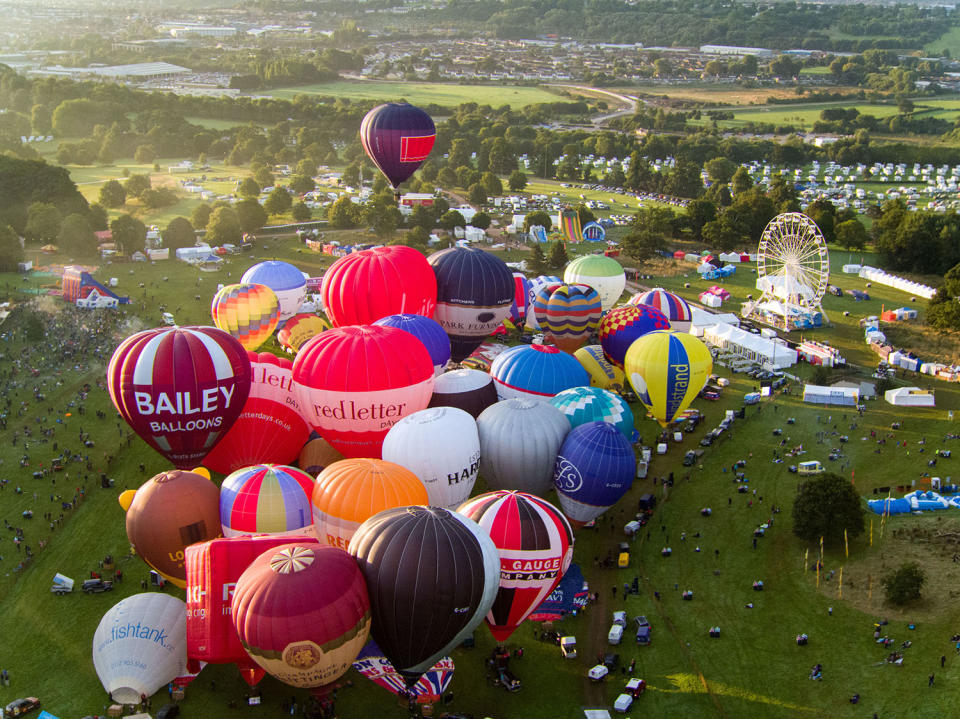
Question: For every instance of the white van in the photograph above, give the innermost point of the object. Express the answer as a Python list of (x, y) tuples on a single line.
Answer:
[(168, 319)]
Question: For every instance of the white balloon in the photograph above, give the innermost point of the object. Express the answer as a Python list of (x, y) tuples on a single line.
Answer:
[(141, 645), (442, 447)]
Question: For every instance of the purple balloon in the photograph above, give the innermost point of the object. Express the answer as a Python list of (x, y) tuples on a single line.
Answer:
[(428, 331), (398, 137)]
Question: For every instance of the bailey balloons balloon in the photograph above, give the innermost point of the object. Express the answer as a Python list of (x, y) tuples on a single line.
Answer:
[(354, 383), (441, 446), (428, 331), (286, 281), (519, 441), (623, 326), (300, 328), (468, 389), (474, 293), (591, 404), (180, 388), (535, 544), (676, 309), (397, 137), (270, 427), (249, 312), (602, 374), (567, 314), (604, 274), (535, 371), (266, 499), (140, 646), (667, 371), (302, 613), (432, 575)]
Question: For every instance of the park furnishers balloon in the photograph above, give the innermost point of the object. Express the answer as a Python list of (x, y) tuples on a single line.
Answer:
[(398, 137)]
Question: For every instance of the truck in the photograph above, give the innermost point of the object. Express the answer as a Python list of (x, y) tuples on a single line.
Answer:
[(568, 647), (61, 585)]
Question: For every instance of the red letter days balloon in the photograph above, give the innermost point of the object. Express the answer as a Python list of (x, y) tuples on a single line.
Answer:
[(362, 287), (354, 383), (181, 389), (535, 544), (302, 613), (213, 569), (432, 574), (398, 137), (167, 514), (270, 427), (474, 293)]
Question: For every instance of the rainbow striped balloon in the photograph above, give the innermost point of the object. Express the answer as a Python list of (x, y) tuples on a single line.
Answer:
[(266, 499), (249, 312), (567, 314), (673, 306)]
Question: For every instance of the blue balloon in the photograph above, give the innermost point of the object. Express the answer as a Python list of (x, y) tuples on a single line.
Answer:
[(595, 468), (428, 331), (592, 404), (286, 281), (539, 371)]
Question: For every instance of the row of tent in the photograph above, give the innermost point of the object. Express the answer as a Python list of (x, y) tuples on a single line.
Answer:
[(734, 257), (910, 361), (901, 283)]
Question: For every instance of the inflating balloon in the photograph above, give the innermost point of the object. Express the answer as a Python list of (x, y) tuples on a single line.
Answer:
[(286, 281), (567, 314), (534, 286), (266, 499), (428, 690), (623, 326), (398, 137), (675, 308), (317, 455), (667, 371), (300, 328), (602, 374), (604, 274), (249, 312), (536, 371), (591, 404), (428, 331), (521, 299), (467, 389)]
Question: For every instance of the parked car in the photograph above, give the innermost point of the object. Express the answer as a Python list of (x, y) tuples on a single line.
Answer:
[(19, 707), (689, 458), (94, 586), (568, 647), (643, 630)]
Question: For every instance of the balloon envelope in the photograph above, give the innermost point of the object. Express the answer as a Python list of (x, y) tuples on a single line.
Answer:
[(398, 137), (673, 306), (429, 689), (316, 455), (667, 371), (623, 326), (286, 281), (536, 371), (300, 328), (441, 446), (595, 468), (467, 389), (604, 274), (602, 374), (567, 314), (428, 331), (590, 404), (249, 312), (266, 499), (521, 298), (536, 284)]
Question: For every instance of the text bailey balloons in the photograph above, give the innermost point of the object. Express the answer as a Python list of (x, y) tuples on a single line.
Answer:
[(536, 371), (592, 404), (519, 441), (468, 389), (673, 306), (667, 371), (535, 543), (266, 499), (180, 388), (595, 468), (398, 137), (168, 513), (441, 446), (349, 492), (428, 331), (623, 326), (286, 281), (432, 575), (270, 428), (474, 293), (567, 314), (300, 328), (604, 274), (140, 645), (302, 613), (213, 569), (248, 312), (355, 383), (363, 287)]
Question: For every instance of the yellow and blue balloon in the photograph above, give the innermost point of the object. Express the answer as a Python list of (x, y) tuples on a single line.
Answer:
[(249, 312)]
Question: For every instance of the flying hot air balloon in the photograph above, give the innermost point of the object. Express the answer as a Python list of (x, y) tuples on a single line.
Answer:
[(248, 312), (675, 308), (363, 287), (592, 404), (286, 281), (266, 499), (441, 446), (180, 388), (468, 389), (300, 328), (667, 371), (535, 543), (354, 383), (474, 292), (432, 575), (316, 455), (623, 326), (567, 314), (302, 613), (398, 137), (428, 331), (270, 428), (536, 371), (604, 274)]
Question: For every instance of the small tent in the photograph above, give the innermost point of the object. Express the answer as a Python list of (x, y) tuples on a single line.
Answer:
[(909, 397), (843, 396)]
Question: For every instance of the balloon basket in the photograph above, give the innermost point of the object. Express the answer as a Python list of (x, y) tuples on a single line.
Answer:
[(426, 710), (177, 694)]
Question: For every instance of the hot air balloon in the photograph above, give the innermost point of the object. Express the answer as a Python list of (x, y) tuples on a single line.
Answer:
[(432, 574), (351, 491), (595, 467), (474, 292), (535, 285), (591, 404), (621, 327), (266, 499), (519, 441), (270, 428), (667, 371), (602, 374), (140, 645), (429, 689), (604, 274), (167, 514), (441, 446), (180, 388), (302, 613), (428, 331), (286, 281), (467, 389), (354, 383), (248, 312), (213, 569), (521, 299), (567, 314), (536, 371), (674, 307), (316, 455), (398, 137), (300, 328), (363, 287), (535, 543)]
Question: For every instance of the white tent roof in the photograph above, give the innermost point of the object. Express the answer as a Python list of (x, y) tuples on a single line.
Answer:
[(785, 287), (909, 397), (702, 318)]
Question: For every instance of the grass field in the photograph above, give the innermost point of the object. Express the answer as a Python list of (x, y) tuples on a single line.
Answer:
[(802, 116), (712, 93), (950, 40)]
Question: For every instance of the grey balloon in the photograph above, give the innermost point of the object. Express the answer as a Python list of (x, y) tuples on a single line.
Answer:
[(519, 442)]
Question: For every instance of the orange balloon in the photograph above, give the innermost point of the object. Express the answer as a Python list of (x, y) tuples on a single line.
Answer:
[(349, 492)]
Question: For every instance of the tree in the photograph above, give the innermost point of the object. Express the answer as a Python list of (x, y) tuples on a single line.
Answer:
[(223, 227), (248, 188), (145, 154), (201, 215), (99, 219), (422, 216), (418, 238), (301, 184), (825, 506), (647, 232), (112, 194), (343, 213), (741, 181), (491, 184), (179, 233), (851, 234), (538, 217), (301, 212), (43, 222), (382, 215), (699, 213), (278, 201), (129, 234), (451, 219), (557, 259), (76, 236), (477, 193), (903, 585), (136, 185), (11, 252), (481, 220), (517, 180), (263, 177), (155, 197), (720, 169), (537, 263), (250, 215)]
